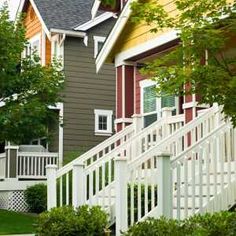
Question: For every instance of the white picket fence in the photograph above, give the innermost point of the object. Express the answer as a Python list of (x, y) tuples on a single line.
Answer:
[(165, 169)]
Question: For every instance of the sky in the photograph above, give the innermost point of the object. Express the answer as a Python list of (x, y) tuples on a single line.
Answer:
[(13, 6)]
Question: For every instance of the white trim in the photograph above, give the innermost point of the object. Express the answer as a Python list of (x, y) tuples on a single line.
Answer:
[(97, 40), (194, 104), (60, 106), (108, 114), (69, 32), (148, 45), (113, 36), (146, 83), (95, 21), (123, 92), (95, 8), (43, 50), (123, 120), (20, 9)]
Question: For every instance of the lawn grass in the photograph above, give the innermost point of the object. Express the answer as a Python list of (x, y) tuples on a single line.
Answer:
[(71, 155), (16, 223)]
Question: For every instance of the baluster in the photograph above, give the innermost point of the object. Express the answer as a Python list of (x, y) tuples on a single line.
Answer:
[(185, 187), (178, 191), (193, 156), (67, 188), (145, 188), (90, 174), (97, 184), (132, 197), (61, 190), (200, 167), (139, 193), (206, 157), (214, 160), (103, 184)]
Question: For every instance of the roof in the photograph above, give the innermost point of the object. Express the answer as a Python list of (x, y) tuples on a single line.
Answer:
[(66, 15), (114, 35)]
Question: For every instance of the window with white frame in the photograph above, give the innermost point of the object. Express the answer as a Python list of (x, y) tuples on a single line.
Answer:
[(103, 122), (98, 44), (33, 46), (151, 105), (57, 48)]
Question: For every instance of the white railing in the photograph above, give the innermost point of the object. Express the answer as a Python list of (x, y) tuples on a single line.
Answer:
[(146, 180), (204, 174), (2, 165), (98, 173), (33, 164), (66, 176)]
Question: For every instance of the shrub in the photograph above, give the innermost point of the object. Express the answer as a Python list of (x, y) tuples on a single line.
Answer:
[(36, 198), (217, 224), (63, 221)]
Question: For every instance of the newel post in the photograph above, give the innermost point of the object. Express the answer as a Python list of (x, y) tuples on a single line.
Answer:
[(11, 166), (78, 186), (137, 122), (121, 181), (51, 171), (165, 195), (166, 113)]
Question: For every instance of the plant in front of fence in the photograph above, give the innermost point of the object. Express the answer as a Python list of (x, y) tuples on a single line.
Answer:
[(36, 198), (217, 224), (66, 220)]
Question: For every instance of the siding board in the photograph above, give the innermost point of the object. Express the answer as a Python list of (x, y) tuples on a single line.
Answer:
[(85, 90)]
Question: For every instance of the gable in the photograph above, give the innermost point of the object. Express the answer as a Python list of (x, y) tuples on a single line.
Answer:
[(135, 34), (31, 22)]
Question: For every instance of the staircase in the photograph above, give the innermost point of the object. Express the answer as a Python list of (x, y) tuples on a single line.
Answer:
[(168, 169)]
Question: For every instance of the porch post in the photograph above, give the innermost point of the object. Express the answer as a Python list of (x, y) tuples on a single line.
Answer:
[(11, 161), (124, 96)]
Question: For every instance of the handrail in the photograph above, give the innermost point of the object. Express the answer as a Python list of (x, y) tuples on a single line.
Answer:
[(95, 150), (169, 139)]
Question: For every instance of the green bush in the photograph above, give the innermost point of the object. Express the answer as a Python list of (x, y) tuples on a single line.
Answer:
[(217, 224), (65, 221), (36, 198)]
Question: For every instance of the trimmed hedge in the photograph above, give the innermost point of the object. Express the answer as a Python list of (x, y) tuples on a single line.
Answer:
[(217, 224), (36, 198), (65, 221)]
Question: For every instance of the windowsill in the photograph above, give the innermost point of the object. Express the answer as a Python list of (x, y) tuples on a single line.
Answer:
[(98, 133)]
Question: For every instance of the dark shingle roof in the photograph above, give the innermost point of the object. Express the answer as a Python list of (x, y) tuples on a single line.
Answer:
[(64, 14)]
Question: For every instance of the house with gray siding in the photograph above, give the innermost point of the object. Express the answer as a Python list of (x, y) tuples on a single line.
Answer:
[(65, 30)]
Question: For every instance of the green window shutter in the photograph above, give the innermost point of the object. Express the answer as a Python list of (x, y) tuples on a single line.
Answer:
[(149, 99), (168, 101)]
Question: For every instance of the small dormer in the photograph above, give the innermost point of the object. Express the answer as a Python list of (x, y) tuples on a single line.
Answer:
[(114, 6)]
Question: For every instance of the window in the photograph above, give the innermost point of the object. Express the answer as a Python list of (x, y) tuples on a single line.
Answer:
[(57, 49), (152, 105), (98, 44), (103, 122), (33, 46)]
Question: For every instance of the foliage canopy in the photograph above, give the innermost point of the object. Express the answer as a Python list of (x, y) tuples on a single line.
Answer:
[(27, 89), (204, 55)]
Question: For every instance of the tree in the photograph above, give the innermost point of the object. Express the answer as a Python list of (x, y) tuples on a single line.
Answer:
[(203, 57), (27, 89)]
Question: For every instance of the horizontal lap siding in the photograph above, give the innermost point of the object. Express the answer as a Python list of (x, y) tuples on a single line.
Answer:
[(85, 90)]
